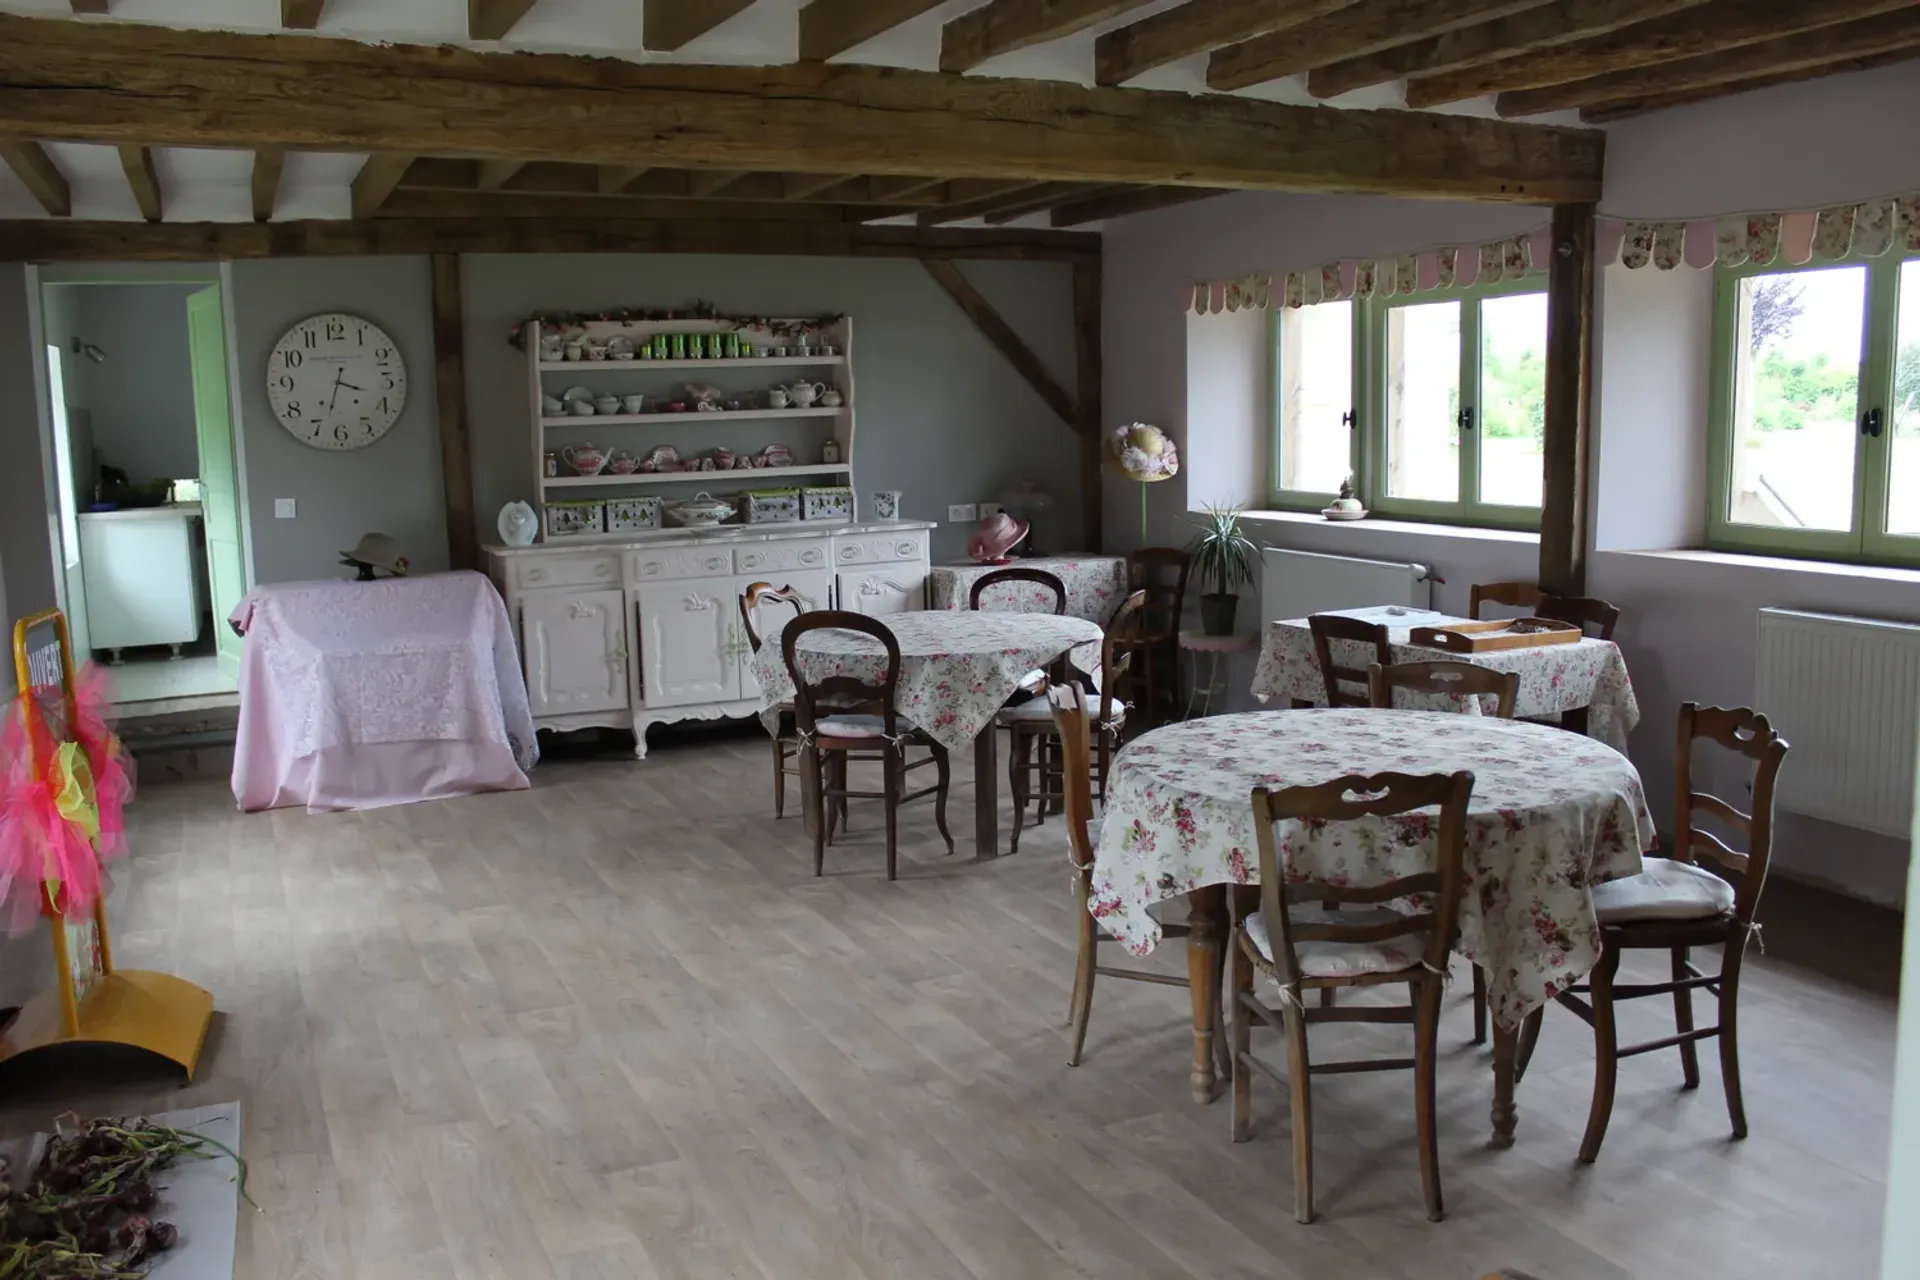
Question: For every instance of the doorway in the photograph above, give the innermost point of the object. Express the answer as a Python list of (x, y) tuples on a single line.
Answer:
[(149, 555)]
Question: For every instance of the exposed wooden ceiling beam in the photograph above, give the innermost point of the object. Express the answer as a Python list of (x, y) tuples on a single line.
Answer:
[(1603, 112), (612, 179), (113, 83), (90, 6), (1142, 200), (669, 24), (903, 188), (137, 162), (995, 329), (410, 202), (267, 164), (1767, 57), (44, 181), (1002, 26), (979, 199), (495, 174), (829, 27), (375, 182), (1710, 28), (1043, 201), (711, 182), (301, 15), (804, 186), (1561, 22), (1195, 27), (1361, 28), (492, 19), (1026, 199)]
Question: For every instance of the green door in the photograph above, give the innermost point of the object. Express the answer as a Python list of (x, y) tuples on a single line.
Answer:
[(219, 489)]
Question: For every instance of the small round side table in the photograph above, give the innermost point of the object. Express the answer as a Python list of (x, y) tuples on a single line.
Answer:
[(1216, 648)]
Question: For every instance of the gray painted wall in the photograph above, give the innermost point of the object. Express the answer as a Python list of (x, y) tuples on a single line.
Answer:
[(392, 486), (142, 396), (942, 416)]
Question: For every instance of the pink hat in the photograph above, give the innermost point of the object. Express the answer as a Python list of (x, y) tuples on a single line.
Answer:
[(995, 536)]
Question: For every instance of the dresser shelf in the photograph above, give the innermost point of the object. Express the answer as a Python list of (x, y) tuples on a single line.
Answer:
[(731, 479)]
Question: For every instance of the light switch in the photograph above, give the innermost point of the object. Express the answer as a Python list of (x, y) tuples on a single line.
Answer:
[(962, 511), (283, 508)]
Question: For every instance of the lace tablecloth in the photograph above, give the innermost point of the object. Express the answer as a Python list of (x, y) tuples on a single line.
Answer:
[(956, 668), (1095, 586), (359, 694), (1553, 677), (1553, 814)]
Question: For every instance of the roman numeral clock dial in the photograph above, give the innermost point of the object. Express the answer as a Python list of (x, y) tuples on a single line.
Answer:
[(336, 381)]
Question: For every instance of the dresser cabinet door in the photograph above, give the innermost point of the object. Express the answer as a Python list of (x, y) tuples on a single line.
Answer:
[(882, 589), (689, 636), (814, 586), (576, 650)]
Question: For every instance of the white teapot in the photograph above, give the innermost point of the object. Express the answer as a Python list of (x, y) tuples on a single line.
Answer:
[(803, 394)]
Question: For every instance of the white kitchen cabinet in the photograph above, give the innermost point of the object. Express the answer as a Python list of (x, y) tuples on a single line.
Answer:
[(816, 592), (145, 576), (882, 589), (689, 633), (575, 648)]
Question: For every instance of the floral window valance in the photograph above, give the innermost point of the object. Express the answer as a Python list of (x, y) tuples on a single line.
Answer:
[(1870, 228)]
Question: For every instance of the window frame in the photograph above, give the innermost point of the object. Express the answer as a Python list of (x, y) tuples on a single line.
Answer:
[(1868, 541), (1308, 499)]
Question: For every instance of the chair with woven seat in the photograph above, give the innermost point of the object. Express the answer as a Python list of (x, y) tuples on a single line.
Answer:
[(1443, 679), (1047, 582), (786, 739), (843, 719), (1676, 904), (1068, 707), (1162, 573), (1306, 937), (1524, 596), (1330, 627)]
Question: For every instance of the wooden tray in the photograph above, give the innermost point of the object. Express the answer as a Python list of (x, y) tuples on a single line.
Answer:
[(1494, 635)]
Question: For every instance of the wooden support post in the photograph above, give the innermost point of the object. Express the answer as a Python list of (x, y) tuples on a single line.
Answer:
[(1563, 507), (1086, 359), (450, 392)]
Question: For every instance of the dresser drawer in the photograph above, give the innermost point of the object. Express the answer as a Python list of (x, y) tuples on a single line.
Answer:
[(881, 548), (781, 558), (687, 562), (566, 571)]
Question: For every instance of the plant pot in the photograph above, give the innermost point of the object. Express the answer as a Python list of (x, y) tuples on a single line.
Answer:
[(1216, 613)]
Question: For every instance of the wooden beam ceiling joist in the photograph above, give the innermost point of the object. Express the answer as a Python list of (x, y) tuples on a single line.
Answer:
[(64, 240), (1366, 27), (1042, 201), (1195, 27), (44, 181), (990, 200), (114, 83), (267, 165), (301, 15), (669, 24), (890, 189), (1002, 26), (711, 182), (137, 162), (1517, 35), (994, 327), (411, 202), (492, 19), (495, 174), (1143, 200), (612, 179), (1603, 112), (830, 27), (805, 186), (1709, 28), (375, 183), (90, 6), (1860, 39)]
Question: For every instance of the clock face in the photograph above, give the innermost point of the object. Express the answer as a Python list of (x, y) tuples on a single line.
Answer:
[(336, 381)]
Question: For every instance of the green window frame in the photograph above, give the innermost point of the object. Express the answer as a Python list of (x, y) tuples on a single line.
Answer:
[(1370, 433), (1885, 433)]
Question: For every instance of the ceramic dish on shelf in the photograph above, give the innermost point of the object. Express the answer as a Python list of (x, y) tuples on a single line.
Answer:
[(701, 511), (620, 348), (552, 406), (577, 393)]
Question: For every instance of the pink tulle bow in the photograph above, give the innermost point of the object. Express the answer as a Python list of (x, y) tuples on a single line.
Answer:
[(112, 767)]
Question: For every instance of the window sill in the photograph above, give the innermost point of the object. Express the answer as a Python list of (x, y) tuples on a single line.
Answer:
[(1401, 528), (1781, 564)]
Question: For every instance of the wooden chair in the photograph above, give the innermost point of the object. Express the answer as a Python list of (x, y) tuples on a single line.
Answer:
[(1675, 905), (1304, 946), (1017, 573), (1162, 573), (863, 725), (1596, 618), (1511, 595), (786, 741), (1455, 679), (1069, 710), (1035, 753), (1328, 627)]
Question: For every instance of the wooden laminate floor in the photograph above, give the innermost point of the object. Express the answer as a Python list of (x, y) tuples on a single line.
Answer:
[(612, 1028)]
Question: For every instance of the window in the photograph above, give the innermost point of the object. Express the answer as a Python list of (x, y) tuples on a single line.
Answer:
[(1816, 411), (1435, 404)]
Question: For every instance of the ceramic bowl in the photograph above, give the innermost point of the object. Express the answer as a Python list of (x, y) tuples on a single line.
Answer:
[(580, 408), (607, 404), (552, 406)]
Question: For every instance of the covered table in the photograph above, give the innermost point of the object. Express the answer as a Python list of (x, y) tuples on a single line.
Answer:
[(1095, 585), (355, 695)]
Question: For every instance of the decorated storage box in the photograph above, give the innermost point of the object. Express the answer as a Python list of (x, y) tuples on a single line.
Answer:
[(572, 519), (828, 502), (624, 515), (772, 506)]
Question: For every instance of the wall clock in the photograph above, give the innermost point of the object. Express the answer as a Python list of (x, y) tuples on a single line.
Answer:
[(336, 381)]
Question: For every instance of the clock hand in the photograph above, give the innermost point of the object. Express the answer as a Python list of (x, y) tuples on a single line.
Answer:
[(338, 374)]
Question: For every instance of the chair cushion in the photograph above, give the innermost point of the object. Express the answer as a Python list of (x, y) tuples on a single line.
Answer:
[(1344, 959), (1042, 709), (1666, 890), (858, 726)]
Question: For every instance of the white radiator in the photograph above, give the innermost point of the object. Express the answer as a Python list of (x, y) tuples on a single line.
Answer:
[(1294, 584), (1845, 693)]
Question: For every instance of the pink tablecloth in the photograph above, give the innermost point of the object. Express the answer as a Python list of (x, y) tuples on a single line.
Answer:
[(355, 695)]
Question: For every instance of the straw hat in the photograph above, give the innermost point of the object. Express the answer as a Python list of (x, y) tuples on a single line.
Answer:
[(376, 551), (1142, 452)]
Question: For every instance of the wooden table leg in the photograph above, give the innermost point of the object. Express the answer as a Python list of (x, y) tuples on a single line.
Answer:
[(1506, 1042), (1207, 918), (986, 794)]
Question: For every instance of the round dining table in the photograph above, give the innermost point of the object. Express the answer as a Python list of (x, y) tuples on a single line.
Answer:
[(957, 669), (1552, 814)]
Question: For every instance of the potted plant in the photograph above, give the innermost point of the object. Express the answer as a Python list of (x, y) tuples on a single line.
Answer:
[(1225, 558)]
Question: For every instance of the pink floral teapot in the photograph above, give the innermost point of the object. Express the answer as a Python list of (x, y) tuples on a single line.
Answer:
[(586, 459)]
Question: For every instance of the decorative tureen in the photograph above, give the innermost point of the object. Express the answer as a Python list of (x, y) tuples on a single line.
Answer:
[(701, 511)]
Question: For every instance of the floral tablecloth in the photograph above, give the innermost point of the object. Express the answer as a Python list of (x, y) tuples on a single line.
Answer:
[(1553, 678), (1552, 815), (1095, 586), (956, 669)]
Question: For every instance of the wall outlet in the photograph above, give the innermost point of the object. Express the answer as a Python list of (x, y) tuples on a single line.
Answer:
[(283, 508), (990, 509), (960, 511)]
